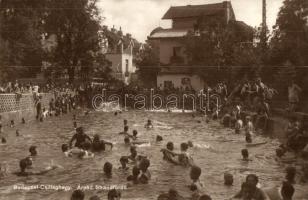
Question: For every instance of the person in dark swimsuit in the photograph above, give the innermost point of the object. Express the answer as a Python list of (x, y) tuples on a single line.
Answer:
[(80, 138), (99, 145)]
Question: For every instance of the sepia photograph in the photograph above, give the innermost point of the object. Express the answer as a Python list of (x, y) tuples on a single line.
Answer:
[(154, 99)]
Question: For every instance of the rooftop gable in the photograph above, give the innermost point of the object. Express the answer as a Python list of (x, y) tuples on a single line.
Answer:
[(197, 10)]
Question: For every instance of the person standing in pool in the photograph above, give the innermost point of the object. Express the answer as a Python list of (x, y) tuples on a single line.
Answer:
[(80, 138)]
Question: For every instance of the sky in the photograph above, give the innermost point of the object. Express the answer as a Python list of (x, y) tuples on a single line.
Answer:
[(140, 17)]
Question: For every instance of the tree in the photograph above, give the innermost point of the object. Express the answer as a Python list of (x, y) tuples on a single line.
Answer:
[(290, 36), (20, 34), (76, 24), (219, 44)]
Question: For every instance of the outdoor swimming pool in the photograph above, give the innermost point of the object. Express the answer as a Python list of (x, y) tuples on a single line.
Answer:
[(224, 155)]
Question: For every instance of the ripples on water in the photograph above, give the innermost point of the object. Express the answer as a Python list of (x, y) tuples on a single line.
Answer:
[(218, 151)]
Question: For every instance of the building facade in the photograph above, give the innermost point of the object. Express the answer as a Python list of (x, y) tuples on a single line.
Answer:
[(174, 69), (122, 64)]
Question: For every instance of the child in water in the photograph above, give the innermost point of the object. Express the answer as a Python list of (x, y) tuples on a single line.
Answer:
[(124, 162), (196, 186), (149, 125), (245, 155)]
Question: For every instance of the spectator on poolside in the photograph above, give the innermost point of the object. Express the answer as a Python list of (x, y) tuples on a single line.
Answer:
[(293, 95)]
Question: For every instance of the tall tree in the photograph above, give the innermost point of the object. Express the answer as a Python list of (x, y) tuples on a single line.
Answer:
[(76, 24), (21, 34), (290, 36)]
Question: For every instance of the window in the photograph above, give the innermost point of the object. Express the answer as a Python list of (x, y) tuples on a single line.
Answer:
[(176, 51)]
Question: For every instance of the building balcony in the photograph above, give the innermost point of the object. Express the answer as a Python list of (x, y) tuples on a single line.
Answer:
[(177, 60)]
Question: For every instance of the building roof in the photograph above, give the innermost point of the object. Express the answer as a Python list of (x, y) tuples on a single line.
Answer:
[(168, 33), (195, 10)]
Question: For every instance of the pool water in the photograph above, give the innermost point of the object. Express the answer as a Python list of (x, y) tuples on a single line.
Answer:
[(218, 151)]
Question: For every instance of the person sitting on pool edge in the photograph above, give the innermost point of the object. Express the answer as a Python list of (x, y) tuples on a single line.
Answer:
[(245, 155), (80, 138), (99, 145), (124, 162), (149, 124), (24, 164)]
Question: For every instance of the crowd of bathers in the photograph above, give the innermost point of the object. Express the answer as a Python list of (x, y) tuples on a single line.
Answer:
[(234, 114)]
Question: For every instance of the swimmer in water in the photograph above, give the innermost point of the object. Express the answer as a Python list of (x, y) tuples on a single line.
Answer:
[(99, 145), (3, 169), (228, 179), (133, 154), (125, 132), (135, 174), (85, 152), (172, 194), (125, 122), (183, 158), (12, 124), (23, 121), (78, 195), (170, 147), (128, 142), (196, 185), (70, 152), (23, 164), (245, 155), (33, 151), (159, 138), (80, 138), (248, 138), (114, 195), (75, 125), (124, 162), (17, 133), (108, 169), (149, 124), (145, 175)]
